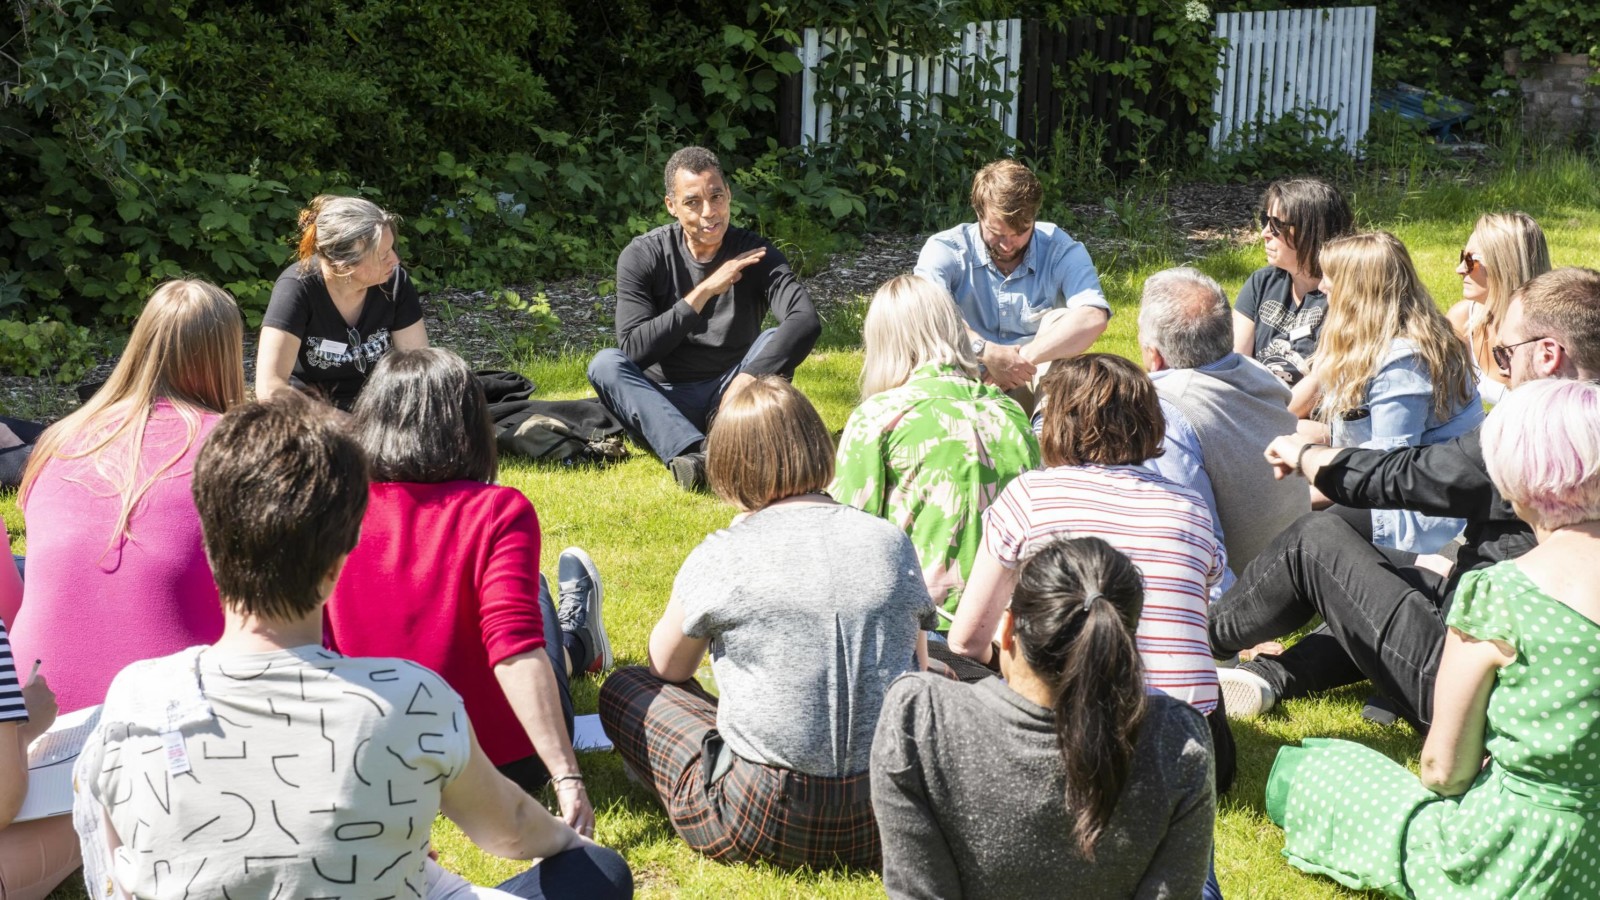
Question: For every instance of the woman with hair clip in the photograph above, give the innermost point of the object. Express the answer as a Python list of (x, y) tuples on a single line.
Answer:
[(116, 572), (930, 446), (809, 610), (447, 574), (1393, 375), (976, 786), (1504, 252), (1507, 800), (1280, 311), (344, 304)]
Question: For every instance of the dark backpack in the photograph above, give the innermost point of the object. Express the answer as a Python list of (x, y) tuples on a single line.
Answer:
[(565, 431)]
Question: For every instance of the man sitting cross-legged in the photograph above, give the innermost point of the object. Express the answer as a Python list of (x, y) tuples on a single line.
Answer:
[(266, 766), (1221, 411), (1384, 613), (1029, 293), (690, 300)]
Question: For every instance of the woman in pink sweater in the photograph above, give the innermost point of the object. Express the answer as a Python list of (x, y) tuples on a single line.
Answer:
[(116, 572), (447, 574)]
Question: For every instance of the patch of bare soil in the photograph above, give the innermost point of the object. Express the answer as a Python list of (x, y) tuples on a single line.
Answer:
[(490, 335)]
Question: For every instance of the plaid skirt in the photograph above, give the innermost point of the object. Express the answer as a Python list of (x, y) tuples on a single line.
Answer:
[(667, 735)]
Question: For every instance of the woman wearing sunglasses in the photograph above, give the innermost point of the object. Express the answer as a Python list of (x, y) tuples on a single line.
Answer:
[(1505, 251), (341, 307), (1278, 315), (1392, 372)]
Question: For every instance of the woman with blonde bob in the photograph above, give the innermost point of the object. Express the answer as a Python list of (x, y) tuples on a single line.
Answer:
[(809, 609), (1393, 373), (338, 309), (116, 571), (1517, 683), (1505, 251), (931, 445)]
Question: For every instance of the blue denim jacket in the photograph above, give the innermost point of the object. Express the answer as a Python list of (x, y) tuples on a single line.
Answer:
[(1399, 413)]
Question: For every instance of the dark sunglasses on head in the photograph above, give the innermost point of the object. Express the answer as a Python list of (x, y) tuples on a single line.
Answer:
[(1471, 261), (1502, 353), (1273, 224)]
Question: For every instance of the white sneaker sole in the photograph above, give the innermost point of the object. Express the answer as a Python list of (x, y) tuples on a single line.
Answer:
[(1244, 694)]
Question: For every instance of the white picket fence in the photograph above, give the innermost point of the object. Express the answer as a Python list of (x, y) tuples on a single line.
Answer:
[(1293, 60), (998, 42)]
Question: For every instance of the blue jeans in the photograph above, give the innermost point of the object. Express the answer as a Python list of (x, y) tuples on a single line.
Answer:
[(671, 419)]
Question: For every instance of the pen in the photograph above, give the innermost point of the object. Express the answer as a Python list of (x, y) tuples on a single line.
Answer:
[(35, 673)]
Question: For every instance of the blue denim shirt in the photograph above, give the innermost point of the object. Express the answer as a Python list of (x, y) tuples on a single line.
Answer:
[(1399, 413), (1055, 272)]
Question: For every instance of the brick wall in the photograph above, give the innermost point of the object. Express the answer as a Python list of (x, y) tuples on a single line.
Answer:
[(1556, 94)]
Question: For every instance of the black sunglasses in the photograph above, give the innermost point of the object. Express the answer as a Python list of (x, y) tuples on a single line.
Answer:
[(1502, 353), (1471, 261), (1273, 224)]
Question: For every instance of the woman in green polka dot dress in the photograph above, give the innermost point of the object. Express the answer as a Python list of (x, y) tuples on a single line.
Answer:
[(1519, 680)]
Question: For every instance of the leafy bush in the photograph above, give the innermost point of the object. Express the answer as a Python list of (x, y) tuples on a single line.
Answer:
[(46, 347)]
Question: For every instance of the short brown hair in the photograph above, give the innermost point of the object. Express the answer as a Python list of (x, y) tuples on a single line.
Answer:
[(422, 418), (1100, 410), (1009, 190), (281, 488), (768, 443), (1564, 305)]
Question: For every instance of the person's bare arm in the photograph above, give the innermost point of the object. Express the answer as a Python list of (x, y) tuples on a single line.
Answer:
[(500, 817), (529, 684), (275, 360), (674, 655), (15, 737), (1305, 395), (1244, 335), (985, 597), (1068, 334), (411, 337), (1452, 756)]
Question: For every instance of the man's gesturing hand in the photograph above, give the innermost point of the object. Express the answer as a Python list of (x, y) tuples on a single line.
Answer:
[(723, 278)]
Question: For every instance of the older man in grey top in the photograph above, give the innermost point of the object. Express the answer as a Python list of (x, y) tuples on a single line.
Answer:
[(1222, 409)]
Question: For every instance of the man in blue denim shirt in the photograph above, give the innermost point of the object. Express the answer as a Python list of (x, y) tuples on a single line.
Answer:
[(1028, 292)]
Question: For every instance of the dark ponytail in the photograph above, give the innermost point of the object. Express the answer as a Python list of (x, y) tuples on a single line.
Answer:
[(1075, 609)]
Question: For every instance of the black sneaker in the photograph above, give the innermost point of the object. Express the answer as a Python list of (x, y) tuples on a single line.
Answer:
[(579, 606), (689, 470)]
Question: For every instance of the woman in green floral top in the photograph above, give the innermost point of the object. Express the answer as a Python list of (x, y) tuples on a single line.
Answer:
[(931, 445)]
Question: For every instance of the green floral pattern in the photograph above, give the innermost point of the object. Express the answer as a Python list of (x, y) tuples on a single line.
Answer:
[(930, 456)]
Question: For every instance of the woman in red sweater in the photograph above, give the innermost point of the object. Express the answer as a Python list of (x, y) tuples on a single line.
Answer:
[(447, 574)]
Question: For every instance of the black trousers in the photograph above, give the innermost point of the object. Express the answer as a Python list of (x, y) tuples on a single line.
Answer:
[(1384, 617)]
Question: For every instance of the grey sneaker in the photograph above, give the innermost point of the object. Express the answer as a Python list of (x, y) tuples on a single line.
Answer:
[(689, 470), (1245, 693), (579, 606)]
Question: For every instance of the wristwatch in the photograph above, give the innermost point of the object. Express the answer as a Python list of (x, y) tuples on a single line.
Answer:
[(978, 346)]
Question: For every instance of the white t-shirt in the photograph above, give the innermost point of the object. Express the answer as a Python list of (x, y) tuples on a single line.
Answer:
[(293, 774)]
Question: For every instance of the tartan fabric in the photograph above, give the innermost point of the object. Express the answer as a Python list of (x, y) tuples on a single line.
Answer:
[(667, 735)]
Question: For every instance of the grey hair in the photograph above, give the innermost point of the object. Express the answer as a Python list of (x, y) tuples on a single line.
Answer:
[(693, 159), (1184, 314), (344, 231)]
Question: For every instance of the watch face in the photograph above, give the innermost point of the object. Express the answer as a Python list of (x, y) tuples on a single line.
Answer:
[(978, 346)]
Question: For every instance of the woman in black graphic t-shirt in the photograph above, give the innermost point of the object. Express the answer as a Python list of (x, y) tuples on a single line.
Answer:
[(341, 307)]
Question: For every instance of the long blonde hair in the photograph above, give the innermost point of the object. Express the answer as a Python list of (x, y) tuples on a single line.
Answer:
[(911, 322), (1513, 252), (186, 348), (1375, 299)]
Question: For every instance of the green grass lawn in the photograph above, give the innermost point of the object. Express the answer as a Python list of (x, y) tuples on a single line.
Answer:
[(639, 526)]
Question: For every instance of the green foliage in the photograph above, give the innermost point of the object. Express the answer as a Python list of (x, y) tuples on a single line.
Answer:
[(1295, 143), (1544, 27), (46, 347)]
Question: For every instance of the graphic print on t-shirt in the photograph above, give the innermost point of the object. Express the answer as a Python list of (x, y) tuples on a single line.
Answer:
[(325, 353), (1279, 355)]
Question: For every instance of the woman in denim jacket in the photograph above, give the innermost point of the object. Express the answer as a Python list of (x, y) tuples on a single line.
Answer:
[(1393, 372)]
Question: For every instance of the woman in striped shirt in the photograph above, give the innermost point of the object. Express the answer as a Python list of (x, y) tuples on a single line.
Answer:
[(1102, 419)]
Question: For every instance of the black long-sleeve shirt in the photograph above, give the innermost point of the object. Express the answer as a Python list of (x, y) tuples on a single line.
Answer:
[(674, 344), (1445, 479)]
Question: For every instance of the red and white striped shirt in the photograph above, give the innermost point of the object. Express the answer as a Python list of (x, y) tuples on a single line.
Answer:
[(1164, 528)]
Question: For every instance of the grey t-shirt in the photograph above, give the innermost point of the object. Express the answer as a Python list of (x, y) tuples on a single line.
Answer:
[(967, 787), (811, 612)]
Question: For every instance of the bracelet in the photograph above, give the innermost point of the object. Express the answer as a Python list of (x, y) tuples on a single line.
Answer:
[(1300, 457), (561, 778)]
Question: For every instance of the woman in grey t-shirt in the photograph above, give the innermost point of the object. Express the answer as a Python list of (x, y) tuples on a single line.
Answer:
[(1066, 774), (809, 610)]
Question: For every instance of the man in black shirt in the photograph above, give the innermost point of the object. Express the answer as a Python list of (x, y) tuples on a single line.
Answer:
[(691, 297), (1384, 613)]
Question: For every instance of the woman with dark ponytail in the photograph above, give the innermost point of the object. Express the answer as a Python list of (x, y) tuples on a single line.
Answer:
[(1083, 778)]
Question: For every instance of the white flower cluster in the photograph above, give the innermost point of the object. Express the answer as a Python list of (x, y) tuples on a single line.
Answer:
[(1196, 11)]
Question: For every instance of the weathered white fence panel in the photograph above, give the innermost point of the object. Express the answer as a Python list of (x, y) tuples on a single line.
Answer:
[(981, 43), (1293, 60)]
